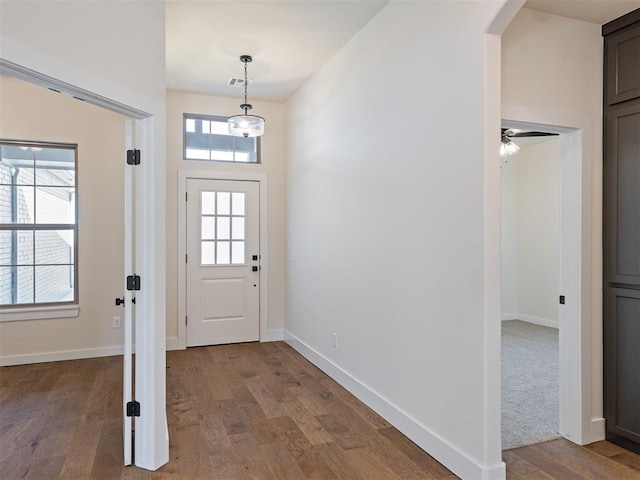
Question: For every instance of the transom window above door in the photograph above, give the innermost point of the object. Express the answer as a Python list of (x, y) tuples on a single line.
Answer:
[(206, 137), (222, 232)]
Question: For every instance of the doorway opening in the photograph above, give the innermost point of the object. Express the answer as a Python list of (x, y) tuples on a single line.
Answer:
[(151, 439), (530, 285), (541, 286)]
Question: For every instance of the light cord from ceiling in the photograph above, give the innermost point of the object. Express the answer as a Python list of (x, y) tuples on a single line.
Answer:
[(245, 88)]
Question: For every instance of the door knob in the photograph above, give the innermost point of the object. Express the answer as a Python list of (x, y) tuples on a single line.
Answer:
[(255, 268), (119, 301)]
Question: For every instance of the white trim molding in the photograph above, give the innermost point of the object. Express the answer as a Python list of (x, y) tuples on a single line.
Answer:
[(261, 178), (84, 353), (445, 453), (545, 322), (597, 431), (80, 354), (172, 344), (19, 314), (274, 335)]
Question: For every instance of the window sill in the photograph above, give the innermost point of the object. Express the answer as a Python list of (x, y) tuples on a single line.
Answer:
[(38, 313)]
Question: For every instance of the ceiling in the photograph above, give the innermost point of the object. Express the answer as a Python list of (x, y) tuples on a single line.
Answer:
[(289, 42), (290, 39), (525, 141), (593, 11)]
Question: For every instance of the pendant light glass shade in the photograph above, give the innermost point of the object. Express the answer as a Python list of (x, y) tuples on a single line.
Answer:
[(246, 125)]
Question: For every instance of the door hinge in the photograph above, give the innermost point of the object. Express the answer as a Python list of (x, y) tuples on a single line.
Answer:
[(186, 196), (561, 299), (133, 157), (133, 282), (186, 258), (186, 320), (133, 409)]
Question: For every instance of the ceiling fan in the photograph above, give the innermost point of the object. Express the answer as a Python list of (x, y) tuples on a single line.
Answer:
[(508, 146)]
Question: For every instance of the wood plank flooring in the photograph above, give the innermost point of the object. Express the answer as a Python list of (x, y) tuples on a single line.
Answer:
[(561, 459), (249, 411)]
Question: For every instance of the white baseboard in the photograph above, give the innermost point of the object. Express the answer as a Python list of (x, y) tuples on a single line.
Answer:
[(24, 359), (60, 355), (545, 322), (597, 430), (274, 335), (172, 343), (448, 455)]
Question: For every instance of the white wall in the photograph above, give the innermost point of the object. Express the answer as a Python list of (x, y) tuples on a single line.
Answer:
[(386, 226), (121, 41), (538, 237), (273, 162), (114, 49), (34, 113), (530, 223), (552, 74)]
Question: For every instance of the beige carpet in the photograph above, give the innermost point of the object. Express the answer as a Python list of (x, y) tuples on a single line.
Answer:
[(530, 385)]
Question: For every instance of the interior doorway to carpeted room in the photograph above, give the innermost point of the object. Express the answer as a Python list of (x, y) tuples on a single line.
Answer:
[(530, 292)]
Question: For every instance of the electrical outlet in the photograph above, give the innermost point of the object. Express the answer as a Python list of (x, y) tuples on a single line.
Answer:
[(116, 322), (334, 340)]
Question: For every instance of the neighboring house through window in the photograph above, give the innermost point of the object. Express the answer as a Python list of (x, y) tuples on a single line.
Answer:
[(206, 137), (38, 228)]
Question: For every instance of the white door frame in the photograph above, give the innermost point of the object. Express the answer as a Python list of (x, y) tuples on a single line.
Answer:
[(580, 351), (127, 361), (33, 66), (183, 175)]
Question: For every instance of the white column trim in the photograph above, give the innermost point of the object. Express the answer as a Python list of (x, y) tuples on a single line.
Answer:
[(26, 63)]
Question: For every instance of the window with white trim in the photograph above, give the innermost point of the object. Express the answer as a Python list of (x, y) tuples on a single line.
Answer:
[(206, 137), (38, 227)]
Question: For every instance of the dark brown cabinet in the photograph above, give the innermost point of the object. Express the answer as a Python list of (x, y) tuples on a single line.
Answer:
[(622, 230), (622, 177), (623, 72), (623, 392)]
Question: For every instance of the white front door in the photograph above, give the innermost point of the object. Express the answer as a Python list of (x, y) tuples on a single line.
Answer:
[(223, 261)]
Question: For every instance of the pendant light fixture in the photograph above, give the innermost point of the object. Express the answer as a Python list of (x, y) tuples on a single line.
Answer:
[(246, 125)]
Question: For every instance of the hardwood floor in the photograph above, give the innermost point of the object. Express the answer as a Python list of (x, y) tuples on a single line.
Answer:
[(250, 411), (561, 459)]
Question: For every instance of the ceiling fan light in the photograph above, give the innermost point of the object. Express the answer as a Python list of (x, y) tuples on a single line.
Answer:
[(512, 148), (246, 126), (507, 147)]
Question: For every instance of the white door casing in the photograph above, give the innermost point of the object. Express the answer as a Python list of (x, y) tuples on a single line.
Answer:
[(581, 418), (222, 261), (127, 315)]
